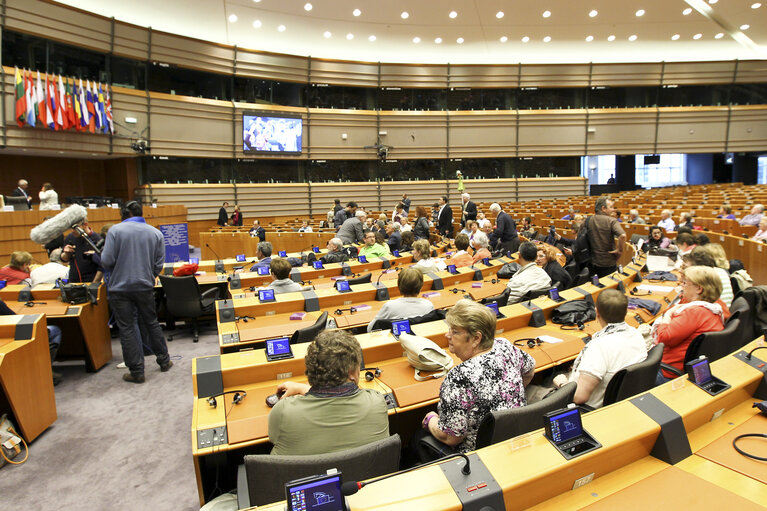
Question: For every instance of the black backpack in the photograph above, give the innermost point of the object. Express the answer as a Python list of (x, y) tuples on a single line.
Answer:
[(582, 245), (350, 251), (574, 312)]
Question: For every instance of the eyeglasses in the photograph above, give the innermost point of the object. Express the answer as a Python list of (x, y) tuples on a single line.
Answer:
[(452, 332)]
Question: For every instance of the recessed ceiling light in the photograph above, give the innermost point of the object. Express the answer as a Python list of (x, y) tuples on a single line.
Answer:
[(611, 38), (593, 13), (416, 40), (687, 11), (589, 38), (546, 14), (499, 14), (349, 36), (453, 14), (356, 12), (437, 40), (632, 37), (719, 35), (327, 35), (712, 2), (232, 18), (525, 39), (640, 12), (459, 40), (547, 39), (281, 28), (504, 39), (256, 23), (372, 38), (675, 37), (745, 26), (756, 5), (256, 1), (307, 6), (697, 36), (404, 15)]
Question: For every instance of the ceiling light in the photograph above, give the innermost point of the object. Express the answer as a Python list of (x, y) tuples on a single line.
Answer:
[(611, 38), (404, 15), (745, 27), (349, 36), (632, 37), (719, 35), (459, 40), (675, 37), (453, 15), (687, 11), (589, 38), (593, 13), (499, 14), (438, 40), (356, 12), (547, 39), (232, 18), (256, 1), (416, 40), (327, 35), (525, 39), (640, 12), (756, 5), (372, 38), (697, 36), (546, 14), (307, 6), (256, 23), (281, 28), (504, 39), (712, 2)]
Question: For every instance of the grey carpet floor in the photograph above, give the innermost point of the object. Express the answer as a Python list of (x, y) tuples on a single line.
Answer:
[(115, 445)]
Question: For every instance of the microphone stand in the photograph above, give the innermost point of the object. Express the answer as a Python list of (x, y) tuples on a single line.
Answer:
[(85, 237)]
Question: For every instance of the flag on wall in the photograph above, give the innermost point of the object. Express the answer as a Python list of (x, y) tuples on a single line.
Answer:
[(50, 103), (108, 111), (98, 97), (78, 106), (91, 108), (31, 100), (84, 118), (61, 104), (21, 103), (40, 104), (71, 102)]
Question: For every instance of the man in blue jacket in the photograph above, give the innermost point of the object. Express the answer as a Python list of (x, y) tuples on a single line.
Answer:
[(134, 252)]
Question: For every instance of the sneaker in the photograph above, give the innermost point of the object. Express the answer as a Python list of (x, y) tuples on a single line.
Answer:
[(130, 377), (121, 365), (57, 377), (166, 367)]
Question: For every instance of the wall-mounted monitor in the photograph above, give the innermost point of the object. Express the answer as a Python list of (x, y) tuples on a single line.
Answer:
[(271, 133)]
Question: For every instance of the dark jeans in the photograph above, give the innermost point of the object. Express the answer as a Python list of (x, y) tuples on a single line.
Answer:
[(603, 271), (138, 306)]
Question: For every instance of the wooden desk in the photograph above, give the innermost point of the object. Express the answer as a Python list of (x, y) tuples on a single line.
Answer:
[(26, 382)]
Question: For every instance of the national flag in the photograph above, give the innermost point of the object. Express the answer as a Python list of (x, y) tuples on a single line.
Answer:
[(40, 106), (108, 111), (89, 99), (21, 102), (78, 106), (30, 99), (50, 103), (84, 117), (71, 102), (98, 103), (61, 103)]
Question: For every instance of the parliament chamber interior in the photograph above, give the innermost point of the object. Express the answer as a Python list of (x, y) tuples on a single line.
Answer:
[(402, 256)]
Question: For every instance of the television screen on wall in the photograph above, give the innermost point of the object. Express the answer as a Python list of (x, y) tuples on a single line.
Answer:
[(267, 133)]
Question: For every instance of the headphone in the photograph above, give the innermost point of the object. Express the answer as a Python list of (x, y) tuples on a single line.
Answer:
[(492, 281), (244, 318), (744, 453), (340, 312), (578, 326), (456, 290), (125, 211), (636, 293), (239, 395), (371, 373), (531, 342)]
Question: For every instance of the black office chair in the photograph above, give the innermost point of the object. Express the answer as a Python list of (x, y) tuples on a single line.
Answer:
[(184, 300), (572, 269), (261, 479), (583, 276), (634, 379), (502, 299), (535, 293), (362, 279), (746, 316), (735, 285), (714, 345), (309, 333), (636, 237), (435, 315)]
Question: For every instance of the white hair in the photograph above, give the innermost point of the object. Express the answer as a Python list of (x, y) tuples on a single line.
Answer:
[(466, 196), (360, 214), (495, 207), (480, 240), (396, 225), (760, 207), (337, 243)]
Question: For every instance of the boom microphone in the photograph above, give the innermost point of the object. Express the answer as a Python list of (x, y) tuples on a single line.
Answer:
[(53, 227)]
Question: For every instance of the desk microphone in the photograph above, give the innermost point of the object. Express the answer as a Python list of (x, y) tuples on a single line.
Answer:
[(352, 487), (219, 264), (748, 357)]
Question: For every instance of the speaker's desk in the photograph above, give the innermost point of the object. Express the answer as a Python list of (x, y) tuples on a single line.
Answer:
[(84, 328), (26, 383)]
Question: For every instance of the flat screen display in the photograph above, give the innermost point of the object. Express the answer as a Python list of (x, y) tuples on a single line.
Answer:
[(321, 493), (279, 346), (316, 250), (317, 265), (400, 327), (194, 260), (486, 261), (270, 133), (701, 372), (564, 426), (282, 253), (395, 253), (493, 306), (362, 259), (266, 295), (451, 268), (262, 270), (343, 286), (240, 258)]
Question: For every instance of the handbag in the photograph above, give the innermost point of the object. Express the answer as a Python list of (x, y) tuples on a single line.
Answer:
[(11, 443), (574, 312), (508, 270), (73, 293), (424, 355)]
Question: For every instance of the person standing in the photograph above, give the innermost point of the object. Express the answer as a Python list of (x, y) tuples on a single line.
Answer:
[(405, 203), (134, 252), (459, 177), (49, 199), (77, 252), (444, 218), (603, 229), (237, 216), (505, 234), (21, 191), (223, 216), (469, 209)]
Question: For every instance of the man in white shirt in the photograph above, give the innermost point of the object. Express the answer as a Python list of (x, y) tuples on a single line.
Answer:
[(616, 346), (755, 217), (530, 276), (305, 227), (666, 221), (48, 273)]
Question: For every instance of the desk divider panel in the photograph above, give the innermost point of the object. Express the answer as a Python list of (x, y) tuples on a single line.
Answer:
[(311, 301), (209, 379), (672, 445), (25, 327)]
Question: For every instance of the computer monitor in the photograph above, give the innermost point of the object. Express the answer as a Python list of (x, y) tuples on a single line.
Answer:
[(315, 493), (262, 270), (278, 349), (563, 425), (240, 258), (362, 259), (316, 250), (317, 265), (343, 286), (282, 253), (400, 327), (266, 295), (194, 260), (451, 269)]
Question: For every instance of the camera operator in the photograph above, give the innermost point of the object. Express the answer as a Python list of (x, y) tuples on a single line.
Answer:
[(81, 266)]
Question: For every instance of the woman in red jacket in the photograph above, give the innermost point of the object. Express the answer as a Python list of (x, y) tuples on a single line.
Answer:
[(699, 311), (18, 271)]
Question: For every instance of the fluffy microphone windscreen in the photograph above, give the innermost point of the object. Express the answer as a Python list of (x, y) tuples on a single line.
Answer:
[(53, 227)]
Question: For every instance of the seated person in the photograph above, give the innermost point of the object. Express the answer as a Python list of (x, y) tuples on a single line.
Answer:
[(483, 222), (529, 277), (54, 339), (726, 213), (257, 231), (282, 282), (305, 227), (761, 234), (753, 218), (408, 239), (570, 214), (526, 229), (615, 346), (481, 247), (424, 261), (547, 259), (409, 283), (330, 413), (17, 271), (492, 375), (702, 256), (696, 313), (685, 220), (394, 237), (335, 253), (666, 221), (461, 257), (655, 240), (263, 254), (406, 227), (49, 273), (371, 248), (634, 217), (473, 228), (685, 242)]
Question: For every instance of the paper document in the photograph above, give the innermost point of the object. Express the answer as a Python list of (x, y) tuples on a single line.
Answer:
[(549, 339), (655, 289)]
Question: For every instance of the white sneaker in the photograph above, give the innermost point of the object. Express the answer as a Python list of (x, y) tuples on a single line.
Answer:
[(121, 365)]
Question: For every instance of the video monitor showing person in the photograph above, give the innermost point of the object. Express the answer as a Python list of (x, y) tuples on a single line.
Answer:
[(267, 133)]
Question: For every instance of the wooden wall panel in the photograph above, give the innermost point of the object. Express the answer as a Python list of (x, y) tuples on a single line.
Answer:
[(552, 132), (272, 66), (622, 75), (365, 194), (192, 53), (358, 74), (748, 129), (201, 201), (479, 76), (554, 75), (131, 41), (695, 73), (326, 127), (622, 131), (273, 199), (482, 133), (197, 127), (414, 75), (692, 129), (415, 134)]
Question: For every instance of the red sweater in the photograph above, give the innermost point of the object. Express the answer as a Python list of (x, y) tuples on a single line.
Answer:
[(679, 333), (12, 275)]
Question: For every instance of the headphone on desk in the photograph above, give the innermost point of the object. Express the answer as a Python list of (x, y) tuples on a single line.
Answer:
[(578, 326), (340, 312), (531, 342), (239, 395), (637, 293), (371, 373), (492, 281)]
